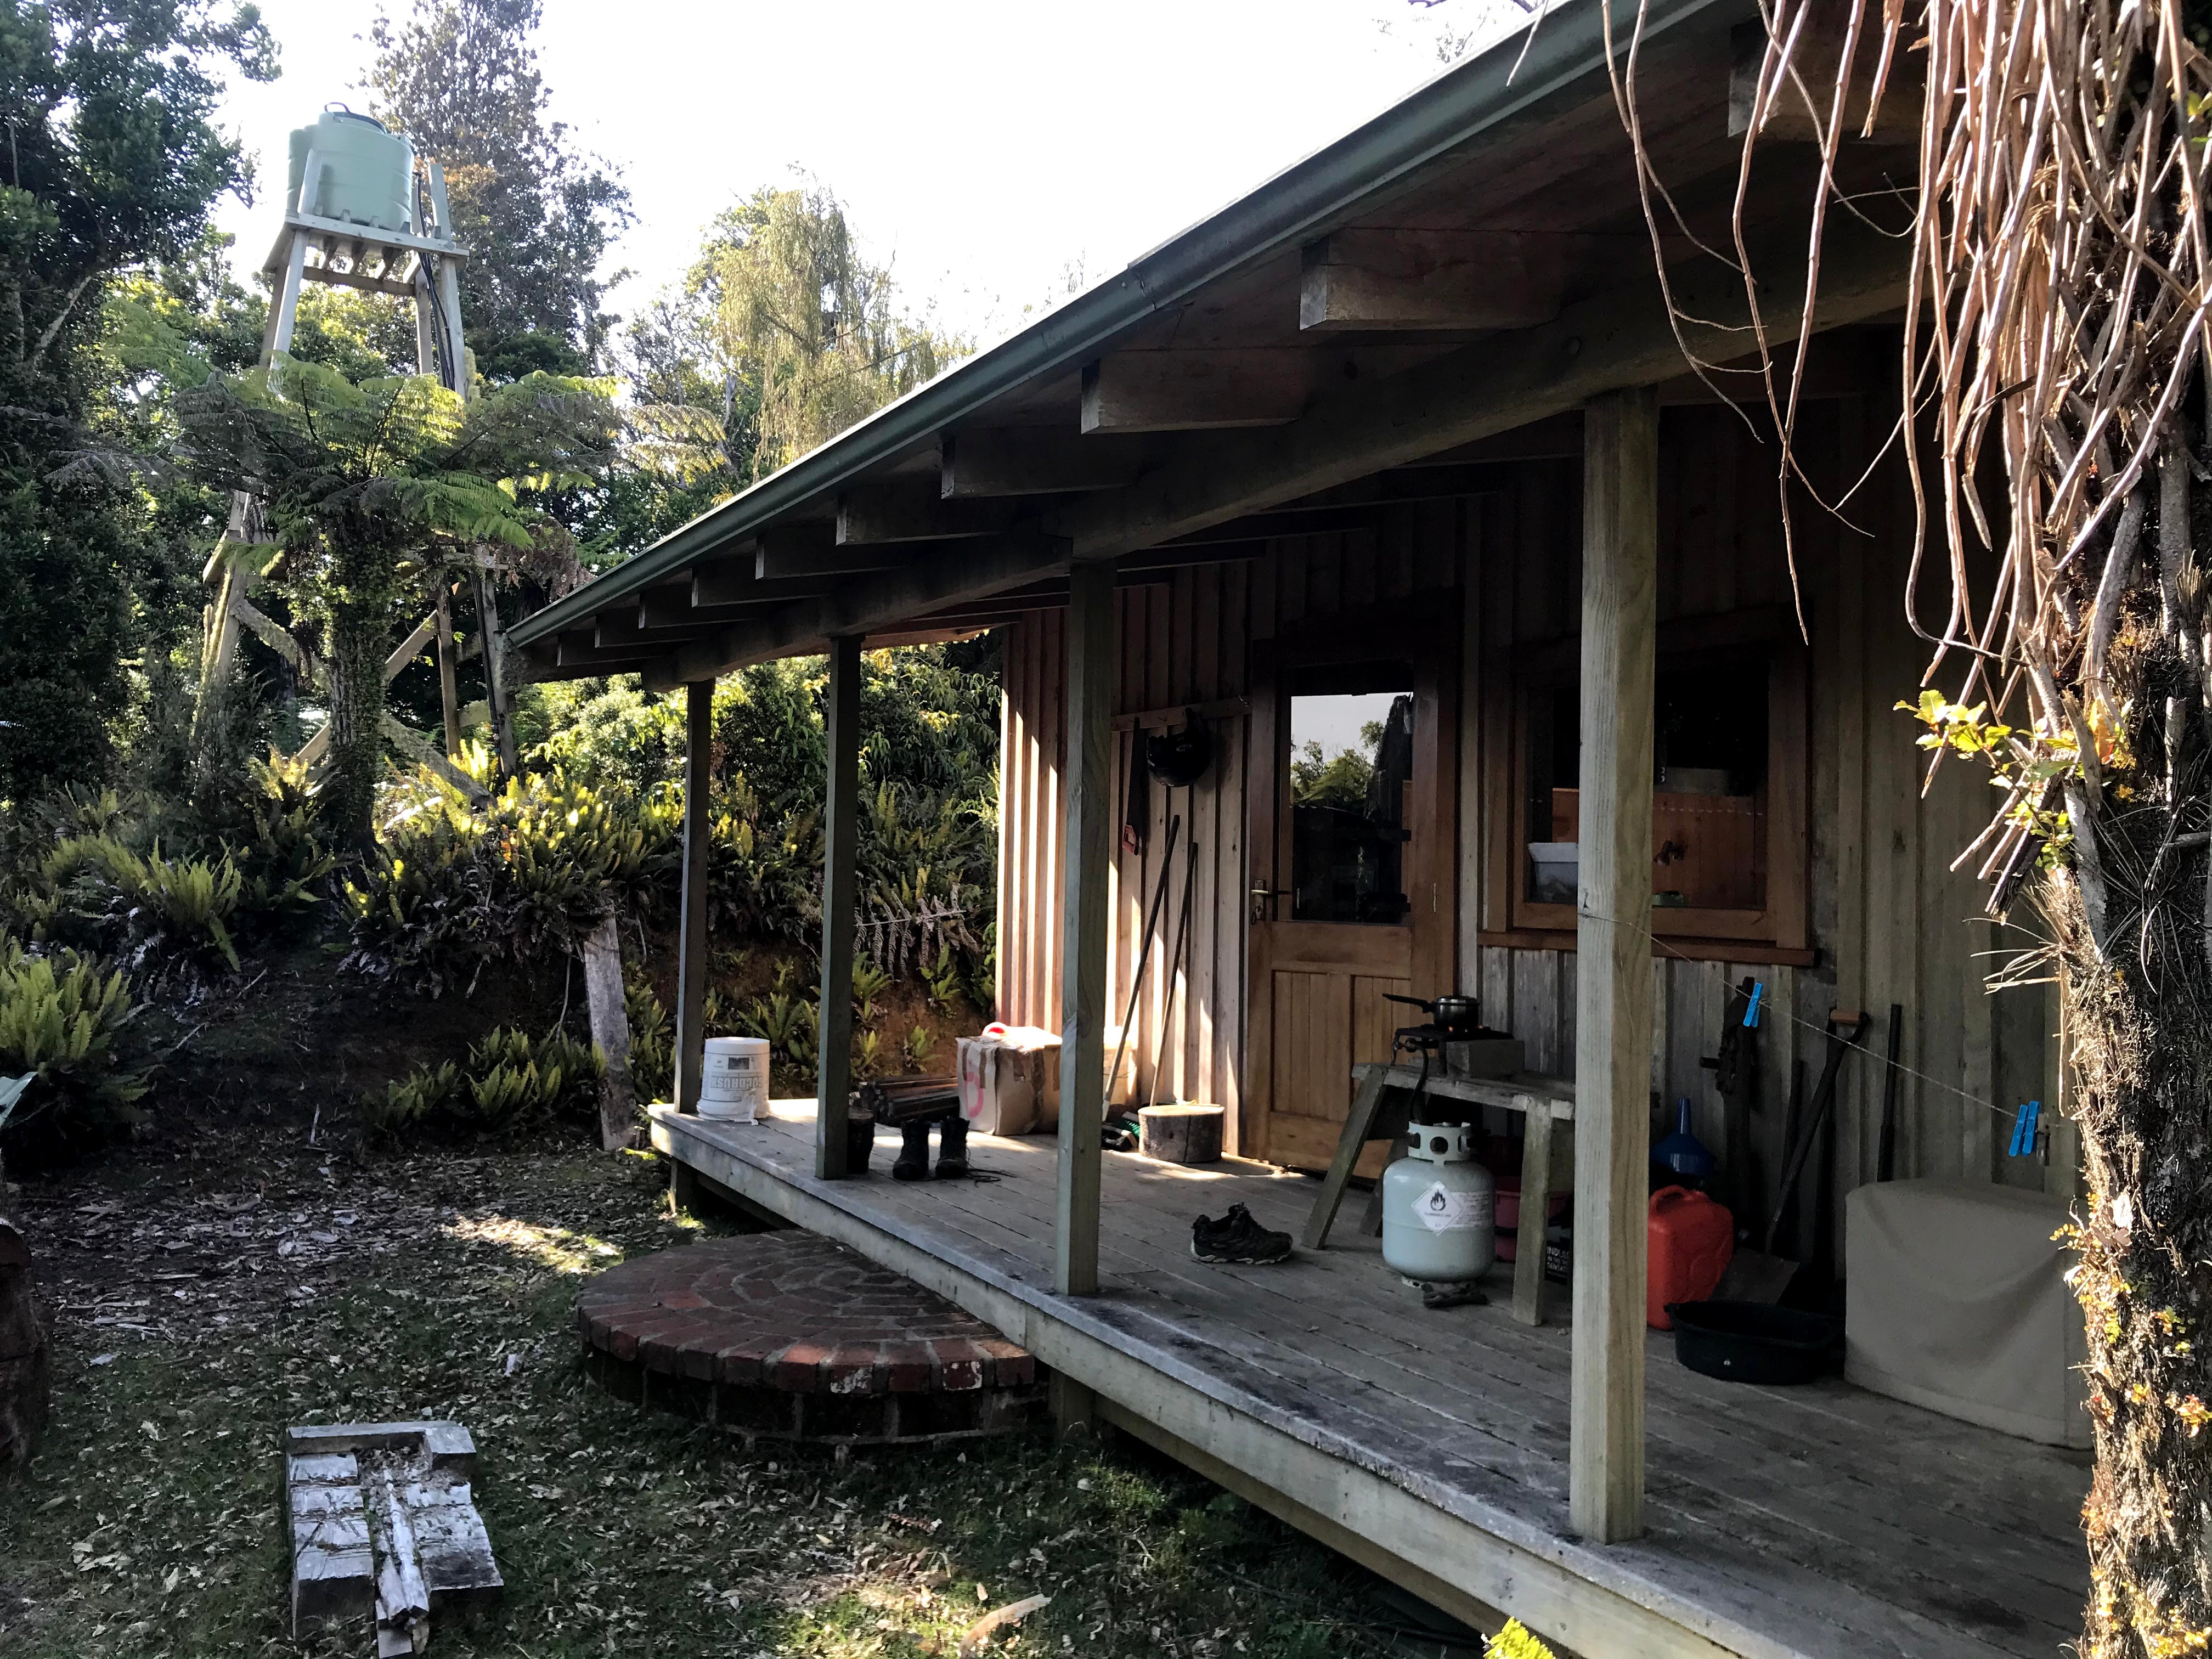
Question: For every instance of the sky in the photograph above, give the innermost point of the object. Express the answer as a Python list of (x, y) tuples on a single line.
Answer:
[(982, 147)]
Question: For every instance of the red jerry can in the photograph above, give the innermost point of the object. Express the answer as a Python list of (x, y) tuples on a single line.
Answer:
[(1691, 1239)]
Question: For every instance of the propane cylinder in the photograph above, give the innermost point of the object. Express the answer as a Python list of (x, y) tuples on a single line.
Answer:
[(1437, 1207)]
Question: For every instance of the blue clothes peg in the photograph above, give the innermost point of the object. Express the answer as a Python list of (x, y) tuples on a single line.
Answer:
[(1751, 1008), (2024, 1128)]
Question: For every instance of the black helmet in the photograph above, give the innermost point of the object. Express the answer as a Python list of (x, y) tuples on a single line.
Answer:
[(1182, 757)]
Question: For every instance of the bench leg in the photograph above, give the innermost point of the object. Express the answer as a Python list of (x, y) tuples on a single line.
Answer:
[(1356, 1125), (1535, 1211)]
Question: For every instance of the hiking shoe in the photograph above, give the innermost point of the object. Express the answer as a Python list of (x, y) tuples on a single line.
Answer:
[(1236, 1238)]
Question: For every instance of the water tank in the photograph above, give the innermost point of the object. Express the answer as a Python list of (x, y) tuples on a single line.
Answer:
[(364, 172)]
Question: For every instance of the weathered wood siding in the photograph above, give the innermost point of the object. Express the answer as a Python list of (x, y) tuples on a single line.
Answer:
[(1889, 920)]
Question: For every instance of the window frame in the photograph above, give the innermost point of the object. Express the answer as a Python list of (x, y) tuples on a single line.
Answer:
[(1776, 933)]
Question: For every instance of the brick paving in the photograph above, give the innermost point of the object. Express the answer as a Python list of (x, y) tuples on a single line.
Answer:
[(787, 1335)]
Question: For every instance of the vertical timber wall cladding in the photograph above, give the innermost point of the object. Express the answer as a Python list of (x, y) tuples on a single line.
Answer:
[(1889, 921), (1186, 642)]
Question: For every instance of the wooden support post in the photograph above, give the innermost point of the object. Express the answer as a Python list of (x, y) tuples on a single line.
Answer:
[(449, 662), (841, 838), (1613, 1030), (495, 649), (1074, 1408), (602, 999), (1085, 939), (284, 304), (691, 922)]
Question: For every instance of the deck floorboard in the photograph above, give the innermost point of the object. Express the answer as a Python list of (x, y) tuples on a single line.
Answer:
[(1821, 1522)]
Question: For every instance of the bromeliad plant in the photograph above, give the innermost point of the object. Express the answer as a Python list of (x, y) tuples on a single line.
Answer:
[(509, 1078), (451, 883), (63, 1016)]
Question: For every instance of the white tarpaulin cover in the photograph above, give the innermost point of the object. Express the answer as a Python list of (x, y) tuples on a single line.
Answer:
[(1956, 1302)]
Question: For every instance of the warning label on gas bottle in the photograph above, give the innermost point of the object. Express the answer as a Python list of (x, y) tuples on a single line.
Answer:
[(1442, 1210)]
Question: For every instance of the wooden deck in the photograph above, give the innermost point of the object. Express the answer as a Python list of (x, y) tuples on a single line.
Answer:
[(1821, 1522)]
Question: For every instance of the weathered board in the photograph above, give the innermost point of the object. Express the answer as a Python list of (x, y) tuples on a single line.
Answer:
[(1886, 919)]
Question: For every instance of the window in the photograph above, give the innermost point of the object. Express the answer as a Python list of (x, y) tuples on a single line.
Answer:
[(1352, 774), (1727, 789)]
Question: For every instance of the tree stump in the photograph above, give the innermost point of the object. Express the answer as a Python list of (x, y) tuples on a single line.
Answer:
[(26, 1361)]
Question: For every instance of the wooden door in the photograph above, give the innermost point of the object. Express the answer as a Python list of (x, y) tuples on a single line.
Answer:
[(1342, 913)]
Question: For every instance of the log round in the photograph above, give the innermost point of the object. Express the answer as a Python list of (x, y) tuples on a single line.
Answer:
[(25, 1360), (787, 1336)]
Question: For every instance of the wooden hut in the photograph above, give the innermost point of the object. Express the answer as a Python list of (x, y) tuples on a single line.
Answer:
[(1408, 434)]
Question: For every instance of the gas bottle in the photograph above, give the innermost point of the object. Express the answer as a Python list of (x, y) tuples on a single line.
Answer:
[(1691, 1240), (1437, 1227)]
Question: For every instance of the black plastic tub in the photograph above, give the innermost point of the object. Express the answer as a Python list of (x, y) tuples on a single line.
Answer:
[(1754, 1342)]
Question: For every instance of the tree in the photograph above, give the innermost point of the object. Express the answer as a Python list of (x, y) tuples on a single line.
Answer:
[(113, 159), (789, 329), (461, 78), (2063, 264), (369, 487)]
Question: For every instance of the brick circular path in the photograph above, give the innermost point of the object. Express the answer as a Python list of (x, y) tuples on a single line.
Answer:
[(787, 1335)]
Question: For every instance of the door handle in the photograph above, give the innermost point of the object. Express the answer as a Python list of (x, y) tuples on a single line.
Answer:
[(1264, 896)]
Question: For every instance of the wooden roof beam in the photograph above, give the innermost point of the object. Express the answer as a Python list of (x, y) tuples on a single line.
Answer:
[(983, 463), (959, 571), (1197, 391), (1395, 280), (1621, 338), (581, 650), (917, 510)]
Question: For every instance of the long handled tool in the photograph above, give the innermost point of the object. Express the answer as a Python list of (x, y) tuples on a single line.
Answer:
[(1144, 955), (1824, 1102), (1173, 962), (1885, 1167), (1760, 1275)]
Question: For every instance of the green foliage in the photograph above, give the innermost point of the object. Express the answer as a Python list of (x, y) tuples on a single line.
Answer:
[(370, 487), (509, 1078), (102, 878), (940, 978), (920, 1042), (1340, 780), (114, 159), (60, 1018), (869, 982), (450, 885), (652, 1043)]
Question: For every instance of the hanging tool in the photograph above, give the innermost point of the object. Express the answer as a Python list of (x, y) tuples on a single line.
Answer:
[(1151, 927), (1736, 1077), (1885, 1165), (1175, 978), (1824, 1100), (1761, 1275)]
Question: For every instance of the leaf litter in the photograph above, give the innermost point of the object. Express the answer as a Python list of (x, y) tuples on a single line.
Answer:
[(197, 1310)]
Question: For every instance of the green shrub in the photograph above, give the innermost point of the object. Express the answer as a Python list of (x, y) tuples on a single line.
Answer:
[(509, 1078), (60, 1018), (102, 878), (528, 872), (652, 1045)]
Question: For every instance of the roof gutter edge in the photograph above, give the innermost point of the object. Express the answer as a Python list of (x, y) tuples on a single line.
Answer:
[(1446, 112)]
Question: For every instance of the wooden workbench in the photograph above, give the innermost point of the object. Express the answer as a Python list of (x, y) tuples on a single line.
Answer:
[(1541, 1101)]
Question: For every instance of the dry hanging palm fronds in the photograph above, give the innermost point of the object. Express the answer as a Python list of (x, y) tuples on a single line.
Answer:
[(2055, 341)]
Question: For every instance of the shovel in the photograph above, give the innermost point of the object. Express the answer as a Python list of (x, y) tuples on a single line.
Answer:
[(1761, 1275)]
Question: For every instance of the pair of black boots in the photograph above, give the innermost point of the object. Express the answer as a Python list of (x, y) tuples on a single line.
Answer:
[(913, 1163)]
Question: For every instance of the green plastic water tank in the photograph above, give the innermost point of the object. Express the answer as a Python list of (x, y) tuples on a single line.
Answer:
[(364, 173)]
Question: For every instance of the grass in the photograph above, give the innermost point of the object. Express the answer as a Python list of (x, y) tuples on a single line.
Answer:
[(440, 1286)]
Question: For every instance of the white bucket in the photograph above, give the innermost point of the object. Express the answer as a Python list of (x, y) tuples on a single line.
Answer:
[(735, 1082)]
